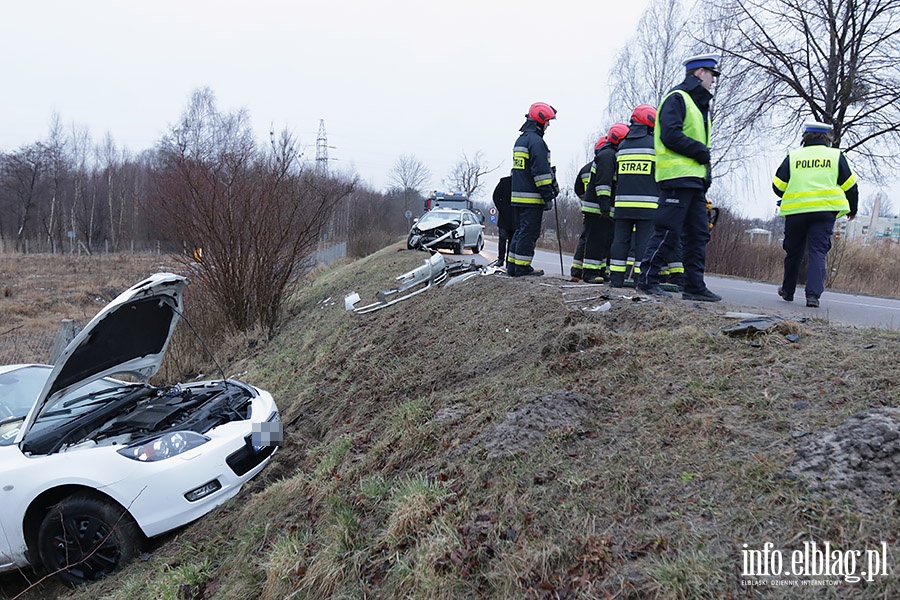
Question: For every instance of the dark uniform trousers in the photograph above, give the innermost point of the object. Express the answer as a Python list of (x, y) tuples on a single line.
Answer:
[(504, 244), (813, 232), (576, 271), (681, 215), (526, 235), (598, 246), (630, 236), (596, 238)]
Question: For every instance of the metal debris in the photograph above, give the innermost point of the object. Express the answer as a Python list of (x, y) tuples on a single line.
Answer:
[(433, 272)]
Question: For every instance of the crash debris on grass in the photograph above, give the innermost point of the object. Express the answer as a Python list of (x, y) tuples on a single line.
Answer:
[(433, 272)]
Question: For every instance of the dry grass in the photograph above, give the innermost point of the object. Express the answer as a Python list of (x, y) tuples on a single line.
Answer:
[(38, 291), (648, 447), (873, 270)]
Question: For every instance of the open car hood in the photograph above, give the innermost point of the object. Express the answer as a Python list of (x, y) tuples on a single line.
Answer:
[(129, 336)]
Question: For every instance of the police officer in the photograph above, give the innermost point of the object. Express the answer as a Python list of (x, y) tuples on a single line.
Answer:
[(600, 192), (534, 187), (681, 141), (816, 185), (636, 193), (587, 210)]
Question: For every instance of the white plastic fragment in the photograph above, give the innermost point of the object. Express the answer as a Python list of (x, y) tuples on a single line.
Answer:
[(601, 308)]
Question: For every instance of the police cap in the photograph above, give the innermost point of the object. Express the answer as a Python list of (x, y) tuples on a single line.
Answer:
[(708, 61), (817, 127)]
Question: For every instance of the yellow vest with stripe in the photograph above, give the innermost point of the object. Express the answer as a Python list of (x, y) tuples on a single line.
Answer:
[(813, 185), (670, 164)]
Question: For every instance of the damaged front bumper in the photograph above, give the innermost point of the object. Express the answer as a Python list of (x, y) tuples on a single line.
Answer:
[(445, 236)]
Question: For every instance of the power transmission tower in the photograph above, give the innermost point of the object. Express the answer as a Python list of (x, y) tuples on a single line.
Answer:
[(322, 150)]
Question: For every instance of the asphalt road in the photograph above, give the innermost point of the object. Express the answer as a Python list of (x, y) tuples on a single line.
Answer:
[(753, 296)]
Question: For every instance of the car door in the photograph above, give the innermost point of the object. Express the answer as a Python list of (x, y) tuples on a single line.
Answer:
[(470, 229)]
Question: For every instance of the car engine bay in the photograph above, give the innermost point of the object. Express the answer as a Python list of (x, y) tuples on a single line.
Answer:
[(136, 412)]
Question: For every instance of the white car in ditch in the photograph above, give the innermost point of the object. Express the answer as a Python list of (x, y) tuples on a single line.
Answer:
[(91, 466)]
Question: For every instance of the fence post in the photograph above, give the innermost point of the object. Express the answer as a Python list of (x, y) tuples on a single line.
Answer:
[(65, 335)]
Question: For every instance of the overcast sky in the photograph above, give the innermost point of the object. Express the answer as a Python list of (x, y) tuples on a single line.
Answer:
[(388, 77)]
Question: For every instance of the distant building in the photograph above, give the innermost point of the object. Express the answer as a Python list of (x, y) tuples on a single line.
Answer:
[(865, 229), (758, 234)]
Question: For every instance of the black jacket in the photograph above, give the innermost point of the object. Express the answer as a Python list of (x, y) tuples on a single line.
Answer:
[(602, 185), (670, 121), (582, 179), (506, 216)]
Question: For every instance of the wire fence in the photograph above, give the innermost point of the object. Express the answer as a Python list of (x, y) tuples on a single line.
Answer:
[(21, 345), (42, 347)]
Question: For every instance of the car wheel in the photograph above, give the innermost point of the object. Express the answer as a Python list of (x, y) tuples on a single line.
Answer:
[(460, 246), (84, 538), (478, 245)]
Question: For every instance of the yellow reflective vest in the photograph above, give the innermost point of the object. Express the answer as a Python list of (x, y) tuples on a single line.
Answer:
[(670, 164), (813, 182)]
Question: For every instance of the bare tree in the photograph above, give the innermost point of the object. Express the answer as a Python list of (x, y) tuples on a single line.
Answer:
[(57, 166), (465, 175), (878, 205), (830, 60), (23, 177), (81, 214), (375, 221), (650, 63), (254, 212), (410, 176), (114, 165)]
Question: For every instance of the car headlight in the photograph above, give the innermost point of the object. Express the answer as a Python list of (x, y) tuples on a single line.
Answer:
[(167, 446)]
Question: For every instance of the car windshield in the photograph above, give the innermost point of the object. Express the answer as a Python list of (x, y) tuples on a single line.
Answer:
[(438, 216), (19, 388)]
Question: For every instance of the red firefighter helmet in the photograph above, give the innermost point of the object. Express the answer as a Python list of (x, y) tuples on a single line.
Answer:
[(644, 114), (541, 112), (617, 133), (600, 142)]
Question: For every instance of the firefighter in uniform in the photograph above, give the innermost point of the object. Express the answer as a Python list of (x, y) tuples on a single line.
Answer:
[(599, 194), (534, 188), (636, 193), (587, 209), (681, 141), (816, 185)]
